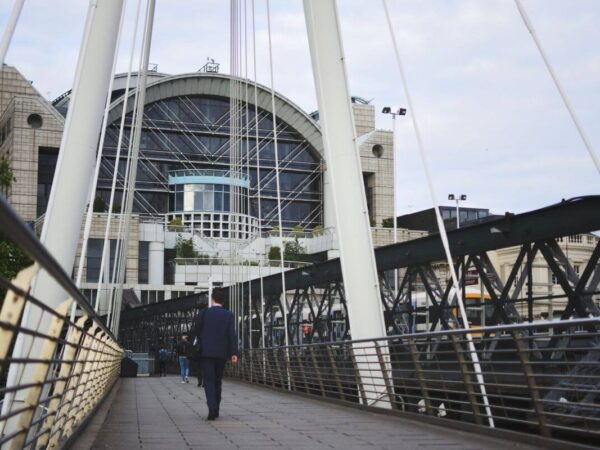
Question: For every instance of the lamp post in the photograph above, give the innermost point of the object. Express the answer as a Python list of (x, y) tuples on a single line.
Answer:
[(394, 111), (458, 199)]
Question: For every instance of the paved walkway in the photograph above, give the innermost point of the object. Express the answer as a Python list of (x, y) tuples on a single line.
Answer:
[(162, 413)]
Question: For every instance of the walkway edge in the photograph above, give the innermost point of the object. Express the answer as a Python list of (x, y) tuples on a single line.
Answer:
[(499, 433), (90, 427)]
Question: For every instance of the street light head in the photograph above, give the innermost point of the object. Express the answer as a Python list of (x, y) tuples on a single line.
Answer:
[(394, 110), (463, 197), (451, 197)]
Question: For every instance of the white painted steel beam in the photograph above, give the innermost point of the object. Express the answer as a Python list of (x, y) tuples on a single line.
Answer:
[(9, 31), (73, 176), (351, 217)]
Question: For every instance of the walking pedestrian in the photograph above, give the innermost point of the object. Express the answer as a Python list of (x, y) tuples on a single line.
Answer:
[(184, 350), (163, 357), (217, 342)]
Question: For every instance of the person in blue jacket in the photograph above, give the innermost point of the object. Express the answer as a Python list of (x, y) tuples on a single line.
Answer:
[(216, 342)]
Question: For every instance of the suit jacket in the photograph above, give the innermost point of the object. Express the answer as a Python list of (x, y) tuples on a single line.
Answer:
[(217, 335)]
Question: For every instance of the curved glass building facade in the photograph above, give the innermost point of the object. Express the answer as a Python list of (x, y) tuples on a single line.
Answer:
[(184, 159)]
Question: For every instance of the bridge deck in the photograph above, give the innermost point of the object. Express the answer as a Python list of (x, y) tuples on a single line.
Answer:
[(162, 413)]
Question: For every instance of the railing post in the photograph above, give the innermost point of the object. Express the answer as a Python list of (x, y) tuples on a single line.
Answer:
[(64, 411), (300, 363), (33, 394), (467, 381), (335, 372), (359, 384), (386, 378), (66, 365), (317, 370), (531, 384), (414, 355), (277, 365), (288, 369)]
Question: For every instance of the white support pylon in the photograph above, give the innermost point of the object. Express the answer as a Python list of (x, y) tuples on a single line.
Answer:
[(72, 178), (351, 216)]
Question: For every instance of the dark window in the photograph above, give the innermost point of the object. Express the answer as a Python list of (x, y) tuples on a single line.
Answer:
[(94, 258), (46, 166), (143, 262)]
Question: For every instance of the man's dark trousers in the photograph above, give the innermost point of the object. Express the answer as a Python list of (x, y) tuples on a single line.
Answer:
[(212, 371)]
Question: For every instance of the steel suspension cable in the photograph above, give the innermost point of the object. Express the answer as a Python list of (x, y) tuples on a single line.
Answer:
[(558, 84), (137, 123), (258, 181), (116, 168), (279, 219), (440, 222)]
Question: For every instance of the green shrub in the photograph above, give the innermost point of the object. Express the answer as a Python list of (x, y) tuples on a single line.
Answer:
[(184, 248), (387, 223), (274, 253), (175, 224), (99, 205)]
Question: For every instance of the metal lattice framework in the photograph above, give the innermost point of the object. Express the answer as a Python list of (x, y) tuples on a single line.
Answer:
[(317, 309), (163, 323), (316, 296)]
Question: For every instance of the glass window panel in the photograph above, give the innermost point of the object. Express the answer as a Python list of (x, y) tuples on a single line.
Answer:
[(218, 201), (198, 201), (209, 204), (188, 200)]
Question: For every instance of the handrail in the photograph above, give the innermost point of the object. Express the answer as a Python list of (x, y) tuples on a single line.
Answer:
[(541, 378), (18, 232), (496, 329), (55, 368)]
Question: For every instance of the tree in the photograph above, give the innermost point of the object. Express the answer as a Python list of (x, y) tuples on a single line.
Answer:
[(294, 251), (184, 248), (12, 258), (6, 175)]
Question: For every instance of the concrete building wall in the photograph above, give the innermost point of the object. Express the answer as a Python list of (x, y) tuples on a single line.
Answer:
[(19, 102)]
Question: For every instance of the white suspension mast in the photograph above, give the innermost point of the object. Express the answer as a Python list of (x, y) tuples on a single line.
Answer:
[(558, 84), (9, 31), (72, 178), (90, 210), (359, 272), (440, 222)]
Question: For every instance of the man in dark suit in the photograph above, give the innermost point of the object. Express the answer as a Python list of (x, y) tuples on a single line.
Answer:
[(217, 342)]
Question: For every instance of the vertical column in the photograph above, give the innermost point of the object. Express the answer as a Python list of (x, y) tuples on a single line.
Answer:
[(156, 262), (351, 216), (73, 176), (343, 164)]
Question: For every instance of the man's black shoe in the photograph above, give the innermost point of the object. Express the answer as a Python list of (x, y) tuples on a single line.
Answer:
[(217, 414), (211, 416)]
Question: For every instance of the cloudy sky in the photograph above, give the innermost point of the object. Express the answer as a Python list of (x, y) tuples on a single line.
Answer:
[(491, 119)]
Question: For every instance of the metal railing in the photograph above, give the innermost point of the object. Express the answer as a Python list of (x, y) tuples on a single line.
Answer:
[(541, 378), (55, 372)]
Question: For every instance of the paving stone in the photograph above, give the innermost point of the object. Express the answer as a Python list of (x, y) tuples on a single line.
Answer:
[(161, 413)]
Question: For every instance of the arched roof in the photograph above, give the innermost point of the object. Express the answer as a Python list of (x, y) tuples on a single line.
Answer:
[(218, 85)]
